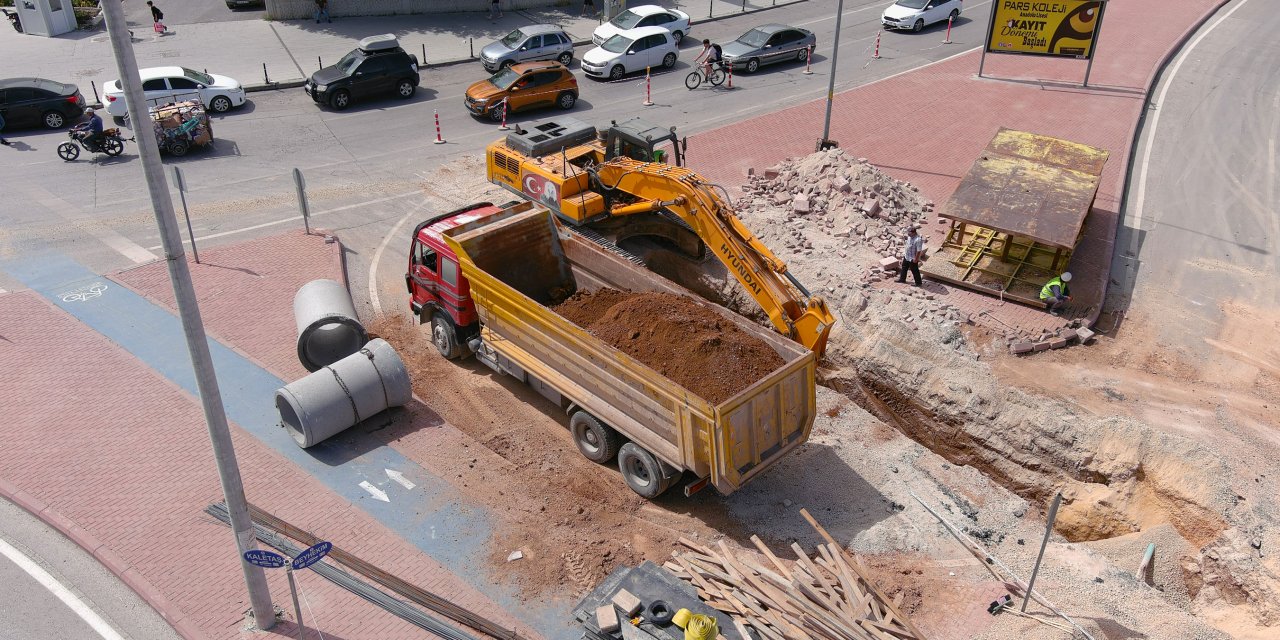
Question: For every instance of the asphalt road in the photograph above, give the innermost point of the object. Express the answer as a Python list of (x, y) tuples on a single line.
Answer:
[(188, 11), (1203, 217), (31, 611)]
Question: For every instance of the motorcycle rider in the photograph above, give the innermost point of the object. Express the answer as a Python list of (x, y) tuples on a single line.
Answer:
[(93, 130)]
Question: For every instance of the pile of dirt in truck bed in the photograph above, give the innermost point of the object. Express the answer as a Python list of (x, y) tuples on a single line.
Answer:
[(677, 337)]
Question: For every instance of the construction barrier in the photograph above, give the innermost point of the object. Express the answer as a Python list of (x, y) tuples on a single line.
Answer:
[(328, 329), (340, 395)]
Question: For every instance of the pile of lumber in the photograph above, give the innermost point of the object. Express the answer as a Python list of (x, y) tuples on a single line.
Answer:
[(824, 597)]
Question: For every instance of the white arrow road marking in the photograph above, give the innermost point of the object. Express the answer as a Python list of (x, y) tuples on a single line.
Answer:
[(378, 494), (399, 479), (51, 583)]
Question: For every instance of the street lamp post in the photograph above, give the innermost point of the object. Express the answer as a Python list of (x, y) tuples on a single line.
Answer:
[(189, 310), (826, 142)]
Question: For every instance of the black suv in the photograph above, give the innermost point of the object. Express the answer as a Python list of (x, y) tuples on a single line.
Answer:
[(378, 65)]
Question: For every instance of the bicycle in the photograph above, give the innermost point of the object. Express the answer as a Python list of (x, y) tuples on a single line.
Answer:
[(697, 77)]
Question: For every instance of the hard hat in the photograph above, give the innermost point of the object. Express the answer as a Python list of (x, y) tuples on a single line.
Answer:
[(1066, 277), (89, 111)]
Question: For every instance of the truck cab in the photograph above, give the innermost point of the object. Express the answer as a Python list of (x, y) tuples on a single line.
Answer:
[(438, 292)]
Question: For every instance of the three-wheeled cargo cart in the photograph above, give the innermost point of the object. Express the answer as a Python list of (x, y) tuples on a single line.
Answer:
[(180, 126)]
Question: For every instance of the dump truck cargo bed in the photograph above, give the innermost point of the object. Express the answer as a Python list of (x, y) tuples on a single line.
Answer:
[(521, 262)]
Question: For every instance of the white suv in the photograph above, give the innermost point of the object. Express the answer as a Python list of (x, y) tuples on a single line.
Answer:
[(631, 51)]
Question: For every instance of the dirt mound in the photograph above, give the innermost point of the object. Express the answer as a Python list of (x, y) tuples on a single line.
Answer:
[(676, 337)]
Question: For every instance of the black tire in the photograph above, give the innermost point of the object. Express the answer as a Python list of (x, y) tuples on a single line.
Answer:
[(596, 441), (955, 13), (643, 472), (753, 65), (692, 80), (53, 120), (566, 58), (717, 76), (566, 100), (495, 114), (220, 104), (113, 146), (406, 88), (677, 36), (341, 99), (617, 72), (918, 26), (506, 64), (68, 151), (669, 61), (445, 336), (803, 56), (178, 148)]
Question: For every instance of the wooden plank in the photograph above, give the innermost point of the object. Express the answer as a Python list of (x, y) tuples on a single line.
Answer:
[(782, 569), (891, 629), (839, 604), (852, 597), (696, 547), (830, 616)]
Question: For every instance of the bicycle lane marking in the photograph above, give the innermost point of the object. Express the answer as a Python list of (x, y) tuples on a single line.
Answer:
[(459, 529)]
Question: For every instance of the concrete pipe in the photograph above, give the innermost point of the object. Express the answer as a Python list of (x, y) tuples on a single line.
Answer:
[(328, 330), (342, 394)]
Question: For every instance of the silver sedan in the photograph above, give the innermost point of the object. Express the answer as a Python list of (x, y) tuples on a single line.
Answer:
[(767, 44)]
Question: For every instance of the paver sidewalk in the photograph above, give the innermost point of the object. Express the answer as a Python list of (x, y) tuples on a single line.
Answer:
[(928, 126)]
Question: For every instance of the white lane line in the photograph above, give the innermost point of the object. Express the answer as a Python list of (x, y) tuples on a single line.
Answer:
[(1140, 197), (47, 581), (375, 300), (92, 228), (296, 218)]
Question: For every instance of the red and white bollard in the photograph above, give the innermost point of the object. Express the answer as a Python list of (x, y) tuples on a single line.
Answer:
[(648, 102), (730, 75), (503, 126), (808, 58), (876, 55), (439, 140), (948, 40)]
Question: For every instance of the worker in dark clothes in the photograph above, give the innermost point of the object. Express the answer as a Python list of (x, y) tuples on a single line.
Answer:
[(1056, 293), (912, 254)]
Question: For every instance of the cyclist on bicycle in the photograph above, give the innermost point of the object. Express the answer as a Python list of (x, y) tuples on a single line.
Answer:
[(712, 54)]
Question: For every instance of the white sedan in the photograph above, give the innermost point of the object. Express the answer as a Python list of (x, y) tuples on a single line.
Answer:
[(675, 22), (162, 85), (917, 14)]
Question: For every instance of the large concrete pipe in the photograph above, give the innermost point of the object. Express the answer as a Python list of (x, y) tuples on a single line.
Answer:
[(328, 330), (338, 396)]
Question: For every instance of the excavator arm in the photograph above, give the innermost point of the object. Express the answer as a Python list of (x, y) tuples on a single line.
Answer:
[(792, 310)]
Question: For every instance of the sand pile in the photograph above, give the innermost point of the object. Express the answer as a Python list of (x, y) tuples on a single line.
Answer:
[(677, 337)]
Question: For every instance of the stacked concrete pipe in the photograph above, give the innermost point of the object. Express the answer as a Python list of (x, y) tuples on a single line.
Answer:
[(328, 330), (342, 394)]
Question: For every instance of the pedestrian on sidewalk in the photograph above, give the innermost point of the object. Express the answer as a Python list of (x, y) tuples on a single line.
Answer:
[(2, 140), (912, 255), (156, 17), (1056, 293), (495, 9), (588, 5), (322, 11)]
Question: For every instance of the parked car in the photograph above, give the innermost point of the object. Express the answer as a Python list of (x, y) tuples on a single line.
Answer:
[(235, 4), (528, 85), (676, 22), (528, 44), (917, 14), (767, 44), (174, 84), (377, 66), (30, 102), (631, 51)]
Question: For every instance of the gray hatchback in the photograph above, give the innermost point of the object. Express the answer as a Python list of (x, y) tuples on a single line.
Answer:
[(528, 44)]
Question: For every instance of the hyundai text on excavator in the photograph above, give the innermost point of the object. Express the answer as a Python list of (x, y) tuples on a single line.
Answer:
[(618, 183)]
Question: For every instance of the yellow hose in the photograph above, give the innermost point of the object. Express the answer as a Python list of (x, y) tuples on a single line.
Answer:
[(701, 627)]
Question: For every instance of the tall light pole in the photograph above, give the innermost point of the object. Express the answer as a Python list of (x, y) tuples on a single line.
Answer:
[(826, 142), (189, 310)]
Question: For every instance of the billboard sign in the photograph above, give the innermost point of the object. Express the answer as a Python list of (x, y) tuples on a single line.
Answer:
[(1061, 28)]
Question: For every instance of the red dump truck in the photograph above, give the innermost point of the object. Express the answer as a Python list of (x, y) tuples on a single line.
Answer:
[(481, 277)]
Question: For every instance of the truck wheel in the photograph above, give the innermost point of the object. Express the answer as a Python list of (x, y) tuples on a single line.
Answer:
[(445, 336), (598, 443), (644, 473)]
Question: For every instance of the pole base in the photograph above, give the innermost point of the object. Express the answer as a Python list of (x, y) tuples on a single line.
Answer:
[(647, 103), (438, 141), (825, 144), (807, 72), (504, 128), (947, 42)]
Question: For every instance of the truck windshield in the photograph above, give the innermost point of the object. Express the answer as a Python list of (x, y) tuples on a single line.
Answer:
[(504, 79), (513, 39), (754, 38), (616, 44)]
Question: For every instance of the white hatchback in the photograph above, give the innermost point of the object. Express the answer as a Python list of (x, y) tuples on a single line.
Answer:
[(676, 22), (917, 14), (161, 85), (631, 51)]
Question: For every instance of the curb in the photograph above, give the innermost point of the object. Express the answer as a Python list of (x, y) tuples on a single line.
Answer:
[(105, 555), (1174, 49)]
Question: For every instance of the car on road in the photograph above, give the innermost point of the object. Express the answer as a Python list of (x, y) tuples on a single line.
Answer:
[(29, 102), (676, 22), (377, 66), (528, 44), (631, 51), (528, 85), (161, 85), (918, 14), (236, 4), (767, 44)]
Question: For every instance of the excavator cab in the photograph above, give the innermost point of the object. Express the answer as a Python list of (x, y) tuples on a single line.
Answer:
[(642, 141)]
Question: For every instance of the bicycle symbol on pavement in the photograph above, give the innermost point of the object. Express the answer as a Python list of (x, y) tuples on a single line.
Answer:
[(87, 292)]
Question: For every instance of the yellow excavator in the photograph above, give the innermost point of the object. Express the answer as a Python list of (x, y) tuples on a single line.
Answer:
[(628, 181)]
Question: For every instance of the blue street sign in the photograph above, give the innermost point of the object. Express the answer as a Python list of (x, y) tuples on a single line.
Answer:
[(312, 555), (264, 559)]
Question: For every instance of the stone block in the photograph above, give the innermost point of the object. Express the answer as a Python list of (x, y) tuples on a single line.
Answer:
[(871, 207), (889, 264), (1084, 334), (770, 174), (801, 204), (607, 618), (624, 600), (1041, 346), (1057, 343), (1021, 347)]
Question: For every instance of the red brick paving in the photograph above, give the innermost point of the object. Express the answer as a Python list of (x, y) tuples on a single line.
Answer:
[(927, 127)]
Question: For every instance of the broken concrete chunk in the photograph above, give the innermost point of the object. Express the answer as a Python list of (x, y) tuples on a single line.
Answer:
[(871, 207), (1041, 346), (770, 174), (1085, 334), (1058, 343), (800, 204), (1021, 347), (624, 600), (607, 618), (889, 264)]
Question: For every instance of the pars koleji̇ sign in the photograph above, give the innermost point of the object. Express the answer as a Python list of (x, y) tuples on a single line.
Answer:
[(1064, 28)]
